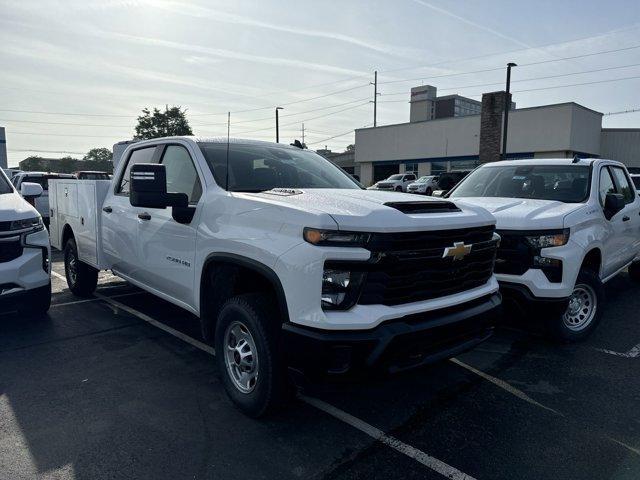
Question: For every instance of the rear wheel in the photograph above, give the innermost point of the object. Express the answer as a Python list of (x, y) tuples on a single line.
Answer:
[(81, 278), (583, 312), (398, 189), (248, 354), (428, 191), (38, 301)]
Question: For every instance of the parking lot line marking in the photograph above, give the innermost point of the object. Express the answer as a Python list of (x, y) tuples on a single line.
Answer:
[(505, 386), (622, 444), (155, 323), (57, 275), (86, 300), (427, 460), (632, 353)]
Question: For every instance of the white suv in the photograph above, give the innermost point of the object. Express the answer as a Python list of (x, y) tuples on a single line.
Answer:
[(41, 203), (396, 183), (425, 185), (567, 227), (25, 283)]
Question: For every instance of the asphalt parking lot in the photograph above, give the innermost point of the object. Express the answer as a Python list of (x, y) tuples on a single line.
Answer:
[(97, 390)]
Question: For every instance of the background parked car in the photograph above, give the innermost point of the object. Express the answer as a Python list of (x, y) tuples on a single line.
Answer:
[(635, 177), (42, 178), (397, 182), (425, 185), (91, 175)]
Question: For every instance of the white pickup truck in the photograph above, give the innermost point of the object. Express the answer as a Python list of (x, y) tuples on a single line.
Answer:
[(284, 258), (567, 227)]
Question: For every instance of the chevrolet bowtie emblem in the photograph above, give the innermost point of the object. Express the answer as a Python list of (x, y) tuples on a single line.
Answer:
[(458, 251)]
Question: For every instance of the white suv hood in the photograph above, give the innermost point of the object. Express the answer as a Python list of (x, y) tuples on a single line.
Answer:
[(14, 207), (364, 210), (522, 213)]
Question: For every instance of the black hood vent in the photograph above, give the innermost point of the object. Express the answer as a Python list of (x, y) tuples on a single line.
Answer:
[(423, 207)]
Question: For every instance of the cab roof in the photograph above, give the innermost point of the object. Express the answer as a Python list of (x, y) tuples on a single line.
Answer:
[(554, 161)]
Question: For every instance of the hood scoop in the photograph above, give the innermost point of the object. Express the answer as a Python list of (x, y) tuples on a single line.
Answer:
[(415, 208)]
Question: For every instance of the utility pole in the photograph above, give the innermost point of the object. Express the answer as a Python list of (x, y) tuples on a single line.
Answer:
[(507, 107), (303, 134), (278, 125), (375, 98)]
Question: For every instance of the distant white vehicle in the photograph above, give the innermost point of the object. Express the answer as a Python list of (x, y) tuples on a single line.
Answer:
[(42, 178), (396, 183), (635, 177), (425, 185), (25, 283), (11, 172)]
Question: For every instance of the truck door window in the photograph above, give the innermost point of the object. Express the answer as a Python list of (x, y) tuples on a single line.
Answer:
[(182, 176), (606, 184), (623, 185), (142, 155)]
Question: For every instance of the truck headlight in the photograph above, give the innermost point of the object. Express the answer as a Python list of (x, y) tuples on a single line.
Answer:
[(555, 238), (340, 288), (335, 238), (28, 224)]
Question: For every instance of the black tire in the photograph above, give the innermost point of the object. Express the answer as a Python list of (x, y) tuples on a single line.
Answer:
[(634, 271), (398, 189), (428, 191), (37, 302), (259, 318), (567, 327), (82, 279)]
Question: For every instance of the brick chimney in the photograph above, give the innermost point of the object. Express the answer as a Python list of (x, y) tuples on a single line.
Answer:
[(491, 125)]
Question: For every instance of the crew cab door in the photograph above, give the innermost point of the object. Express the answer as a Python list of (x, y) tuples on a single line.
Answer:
[(619, 242), (120, 219), (166, 248)]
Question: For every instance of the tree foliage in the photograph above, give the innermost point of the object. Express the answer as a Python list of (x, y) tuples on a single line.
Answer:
[(98, 155), (168, 123), (351, 148)]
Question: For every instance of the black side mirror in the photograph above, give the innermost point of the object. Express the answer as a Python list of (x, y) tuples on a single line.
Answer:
[(149, 188), (614, 202)]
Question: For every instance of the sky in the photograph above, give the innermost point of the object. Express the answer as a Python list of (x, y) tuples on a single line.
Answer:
[(76, 73)]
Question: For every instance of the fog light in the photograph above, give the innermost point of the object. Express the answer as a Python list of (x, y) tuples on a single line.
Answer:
[(546, 262), (340, 288)]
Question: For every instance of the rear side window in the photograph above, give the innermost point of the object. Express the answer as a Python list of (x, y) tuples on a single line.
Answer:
[(182, 176), (142, 155), (627, 190)]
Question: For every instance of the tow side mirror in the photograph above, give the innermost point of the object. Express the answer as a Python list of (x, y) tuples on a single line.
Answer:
[(30, 190), (614, 202), (149, 188)]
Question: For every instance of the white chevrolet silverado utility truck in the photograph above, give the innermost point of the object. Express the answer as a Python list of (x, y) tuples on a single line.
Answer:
[(25, 282), (289, 264), (566, 227)]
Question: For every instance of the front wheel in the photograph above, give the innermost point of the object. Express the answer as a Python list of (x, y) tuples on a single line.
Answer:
[(428, 192), (584, 311), (81, 278), (398, 189), (248, 354)]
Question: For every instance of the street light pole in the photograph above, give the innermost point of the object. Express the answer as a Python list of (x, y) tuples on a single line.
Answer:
[(507, 107), (277, 125)]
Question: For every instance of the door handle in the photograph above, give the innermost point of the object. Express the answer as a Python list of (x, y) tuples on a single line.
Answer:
[(107, 209), (625, 219), (144, 216)]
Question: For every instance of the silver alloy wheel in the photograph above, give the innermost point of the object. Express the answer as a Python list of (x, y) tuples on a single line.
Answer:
[(72, 268), (241, 356), (581, 311)]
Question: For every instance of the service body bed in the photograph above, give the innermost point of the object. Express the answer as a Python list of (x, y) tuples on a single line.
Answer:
[(77, 204)]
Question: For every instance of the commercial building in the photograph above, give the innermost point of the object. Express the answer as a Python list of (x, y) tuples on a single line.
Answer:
[(460, 142)]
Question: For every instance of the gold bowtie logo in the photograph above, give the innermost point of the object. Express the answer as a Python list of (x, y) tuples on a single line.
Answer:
[(458, 251)]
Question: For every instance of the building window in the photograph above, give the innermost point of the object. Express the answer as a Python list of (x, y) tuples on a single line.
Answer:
[(438, 167), (411, 168)]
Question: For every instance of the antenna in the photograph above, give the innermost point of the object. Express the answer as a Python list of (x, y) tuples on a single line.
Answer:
[(228, 132)]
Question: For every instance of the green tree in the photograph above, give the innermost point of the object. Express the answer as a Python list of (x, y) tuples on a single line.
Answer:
[(98, 155), (67, 165), (31, 164), (170, 123), (351, 148)]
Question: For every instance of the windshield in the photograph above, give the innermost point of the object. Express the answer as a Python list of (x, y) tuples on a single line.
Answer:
[(395, 177), (424, 179), (5, 186), (636, 182), (563, 183), (256, 168)]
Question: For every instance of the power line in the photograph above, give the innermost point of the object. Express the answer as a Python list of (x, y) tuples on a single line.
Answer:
[(64, 123), (43, 151), (622, 112), (61, 135)]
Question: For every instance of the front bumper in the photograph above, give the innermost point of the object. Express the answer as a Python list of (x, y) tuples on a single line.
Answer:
[(407, 342), (26, 271), (522, 298)]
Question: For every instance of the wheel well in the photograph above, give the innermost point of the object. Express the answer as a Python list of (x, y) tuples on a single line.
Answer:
[(228, 276), (67, 233), (593, 260)]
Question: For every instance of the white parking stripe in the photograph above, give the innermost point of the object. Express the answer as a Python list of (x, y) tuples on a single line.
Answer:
[(155, 323), (505, 386), (418, 455), (57, 275), (86, 300), (632, 353)]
